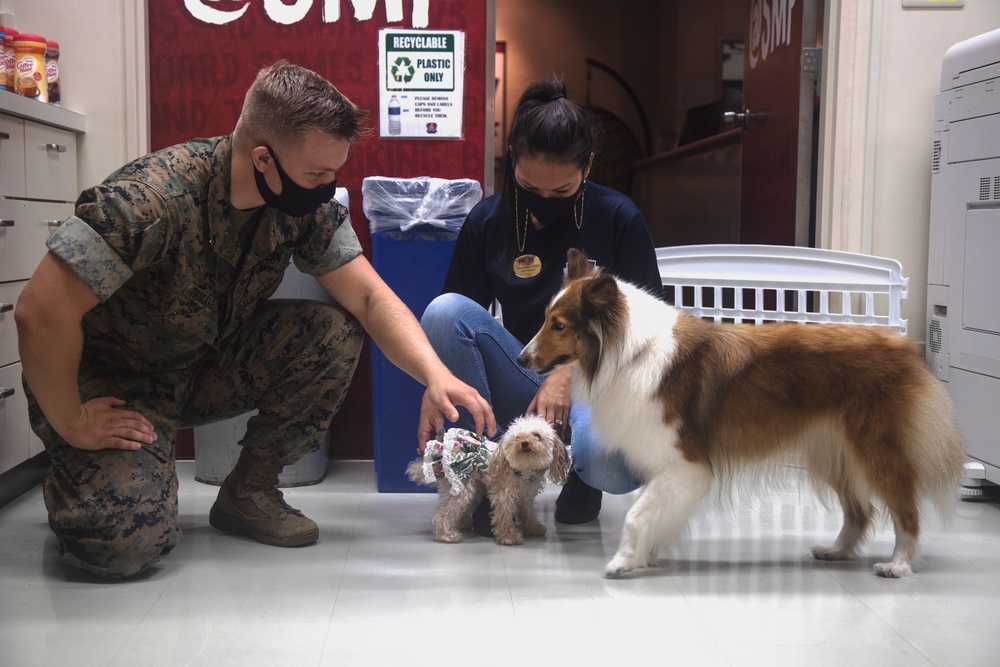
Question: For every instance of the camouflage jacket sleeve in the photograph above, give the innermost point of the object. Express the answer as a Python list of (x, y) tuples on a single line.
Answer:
[(118, 228), (330, 242)]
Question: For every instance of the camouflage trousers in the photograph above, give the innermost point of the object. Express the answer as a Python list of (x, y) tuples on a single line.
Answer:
[(114, 512)]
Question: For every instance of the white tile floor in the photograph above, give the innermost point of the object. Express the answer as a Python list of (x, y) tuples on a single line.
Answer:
[(739, 589)]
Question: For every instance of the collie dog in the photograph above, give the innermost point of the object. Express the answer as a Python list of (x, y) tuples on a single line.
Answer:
[(692, 404)]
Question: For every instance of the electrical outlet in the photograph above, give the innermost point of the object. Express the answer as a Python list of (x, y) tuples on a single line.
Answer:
[(811, 59)]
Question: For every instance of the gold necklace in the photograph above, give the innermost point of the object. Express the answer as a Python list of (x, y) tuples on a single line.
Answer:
[(579, 220), (525, 266), (521, 240)]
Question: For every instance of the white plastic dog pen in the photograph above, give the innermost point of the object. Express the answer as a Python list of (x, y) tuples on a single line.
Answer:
[(763, 283)]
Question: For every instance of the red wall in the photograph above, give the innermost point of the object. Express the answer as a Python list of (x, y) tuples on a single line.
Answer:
[(199, 73)]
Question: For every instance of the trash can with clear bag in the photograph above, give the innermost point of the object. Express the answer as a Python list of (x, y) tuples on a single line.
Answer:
[(414, 225)]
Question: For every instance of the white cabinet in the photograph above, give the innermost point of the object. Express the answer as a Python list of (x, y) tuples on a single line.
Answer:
[(38, 185), (22, 240), (15, 445), (8, 335), (49, 163), (11, 156)]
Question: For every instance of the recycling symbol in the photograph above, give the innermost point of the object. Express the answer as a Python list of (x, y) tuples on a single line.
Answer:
[(402, 70)]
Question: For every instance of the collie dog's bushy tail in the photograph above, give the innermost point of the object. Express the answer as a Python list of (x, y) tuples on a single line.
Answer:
[(940, 452)]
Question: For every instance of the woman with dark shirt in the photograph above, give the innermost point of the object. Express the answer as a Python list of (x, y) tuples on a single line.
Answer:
[(512, 251)]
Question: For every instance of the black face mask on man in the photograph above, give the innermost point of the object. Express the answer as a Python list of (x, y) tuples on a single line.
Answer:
[(294, 199), (547, 209)]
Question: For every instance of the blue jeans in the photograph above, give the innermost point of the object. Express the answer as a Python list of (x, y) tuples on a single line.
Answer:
[(481, 353)]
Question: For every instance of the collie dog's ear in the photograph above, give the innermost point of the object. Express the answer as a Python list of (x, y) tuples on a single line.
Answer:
[(559, 468), (578, 265), (599, 295)]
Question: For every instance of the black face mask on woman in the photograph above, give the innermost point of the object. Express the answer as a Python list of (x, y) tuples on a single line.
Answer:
[(294, 199), (547, 209)]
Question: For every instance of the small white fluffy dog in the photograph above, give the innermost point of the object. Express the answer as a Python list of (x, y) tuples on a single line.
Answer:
[(511, 472)]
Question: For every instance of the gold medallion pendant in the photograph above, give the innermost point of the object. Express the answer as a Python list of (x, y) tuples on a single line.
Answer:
[(527, 266)]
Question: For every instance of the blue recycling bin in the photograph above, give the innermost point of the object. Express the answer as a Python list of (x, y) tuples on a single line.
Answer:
[(414, 224)]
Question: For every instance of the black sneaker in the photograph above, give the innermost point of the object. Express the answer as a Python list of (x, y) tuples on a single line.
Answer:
[(578, 502), (482, 524)]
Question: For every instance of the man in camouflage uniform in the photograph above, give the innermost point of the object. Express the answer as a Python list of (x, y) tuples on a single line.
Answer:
[(150, 313)]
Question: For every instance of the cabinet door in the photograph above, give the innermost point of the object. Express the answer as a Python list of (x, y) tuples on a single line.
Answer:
[(22, 240), (11, 156), (13, 418), (49, 163), (8, 333)]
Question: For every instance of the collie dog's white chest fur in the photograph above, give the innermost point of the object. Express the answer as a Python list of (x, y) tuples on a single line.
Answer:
[(625, 407)]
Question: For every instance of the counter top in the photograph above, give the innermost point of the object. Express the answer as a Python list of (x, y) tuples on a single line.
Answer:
[(22, 107)]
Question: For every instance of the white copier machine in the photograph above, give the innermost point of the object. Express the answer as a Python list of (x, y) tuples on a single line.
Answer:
[(963, 291)]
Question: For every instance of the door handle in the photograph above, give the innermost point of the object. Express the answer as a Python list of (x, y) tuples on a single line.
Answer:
[(6, 223), (6, 307), (54, 223), (4, 136), (55, 148), (6, 392), (741, 118)]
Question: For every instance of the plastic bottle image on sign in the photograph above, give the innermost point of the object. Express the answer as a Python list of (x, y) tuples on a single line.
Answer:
[(395, 127)]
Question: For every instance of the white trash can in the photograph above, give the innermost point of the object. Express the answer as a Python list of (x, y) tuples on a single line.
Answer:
[(216, 452)]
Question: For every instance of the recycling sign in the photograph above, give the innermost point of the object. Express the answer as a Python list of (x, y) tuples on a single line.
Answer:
[(402, 70), (420, 60), (422, 74)]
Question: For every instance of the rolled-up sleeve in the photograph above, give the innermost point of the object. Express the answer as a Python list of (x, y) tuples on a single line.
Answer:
[(331, 243), (86, 253), (117, 229)]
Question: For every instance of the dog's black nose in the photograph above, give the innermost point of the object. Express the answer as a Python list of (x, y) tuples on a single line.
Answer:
[(525, 445)]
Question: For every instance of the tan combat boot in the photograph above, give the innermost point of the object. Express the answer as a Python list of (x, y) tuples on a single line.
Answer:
[(248, 504)]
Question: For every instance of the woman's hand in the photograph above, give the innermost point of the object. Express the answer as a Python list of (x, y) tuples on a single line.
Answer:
[(552, 400)]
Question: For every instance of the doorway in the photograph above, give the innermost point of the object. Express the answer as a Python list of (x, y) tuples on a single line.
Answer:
[(677, 57)]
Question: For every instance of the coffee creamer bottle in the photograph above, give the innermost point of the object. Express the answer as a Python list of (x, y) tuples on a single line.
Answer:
[(52, 72), (29, 55), (3, 61), (8, 58)]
